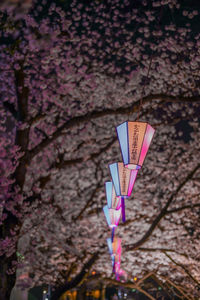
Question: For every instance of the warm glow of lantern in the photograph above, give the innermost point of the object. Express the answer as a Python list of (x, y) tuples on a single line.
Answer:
[(135, 139), (112, 200)]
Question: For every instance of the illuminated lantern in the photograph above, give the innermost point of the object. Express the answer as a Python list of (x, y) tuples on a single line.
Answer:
[(112, 216), (135, 139), (112, 200), (115, 247), (123, 180), (115, 250)]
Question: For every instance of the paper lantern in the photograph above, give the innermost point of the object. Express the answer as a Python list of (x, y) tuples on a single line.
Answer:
[(115, 250), (114, 247), (112, 216), (134, 139), (123, 180), (112, 200)]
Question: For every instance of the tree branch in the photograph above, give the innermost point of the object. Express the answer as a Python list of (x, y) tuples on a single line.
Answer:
[(161, 250), (78, 279), (78, 217), (75, 121), (183, 267), (171, 211), (162, 213), (61, 164), (64, 163)]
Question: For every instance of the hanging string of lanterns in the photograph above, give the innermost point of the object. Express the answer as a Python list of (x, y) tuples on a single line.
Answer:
[(134, 139)]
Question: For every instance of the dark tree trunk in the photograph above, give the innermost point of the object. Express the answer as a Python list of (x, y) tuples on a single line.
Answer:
[(7, 281), (8, 264)]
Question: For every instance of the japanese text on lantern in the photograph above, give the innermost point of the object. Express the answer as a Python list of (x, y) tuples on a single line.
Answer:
[(124, 181), (134, 149), (115, 201)]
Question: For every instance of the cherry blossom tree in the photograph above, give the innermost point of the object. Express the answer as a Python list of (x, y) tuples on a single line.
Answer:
[(70, 72)]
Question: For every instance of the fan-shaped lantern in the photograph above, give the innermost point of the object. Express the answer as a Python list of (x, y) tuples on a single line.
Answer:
[(112, 200), (112, 216), (134, 139), (114, 246), (123, 180), (115, 250)]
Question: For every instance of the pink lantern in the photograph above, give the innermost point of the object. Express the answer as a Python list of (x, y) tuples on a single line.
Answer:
[(112, 216), (115, 250), (123, 180), (134, 139)]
